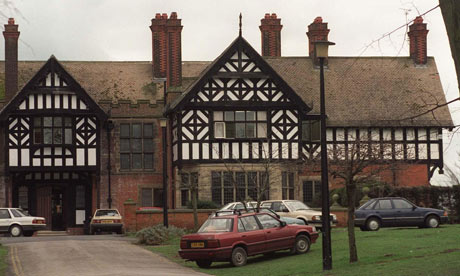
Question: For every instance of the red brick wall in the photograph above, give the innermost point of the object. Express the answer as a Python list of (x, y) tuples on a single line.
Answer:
[(270, 28), (417, 40)]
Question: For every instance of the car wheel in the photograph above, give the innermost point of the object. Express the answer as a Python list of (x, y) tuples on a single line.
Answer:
[(120, 231), (16, 230), (28, 233), (204, 263), (373, 224), (302, 244), (432, 222), (239, 256)]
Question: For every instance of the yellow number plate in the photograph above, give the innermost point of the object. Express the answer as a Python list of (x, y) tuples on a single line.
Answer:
[(107, 221), (197, 245)]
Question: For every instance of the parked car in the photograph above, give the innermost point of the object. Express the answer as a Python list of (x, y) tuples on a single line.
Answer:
[(106, 220), (299, 210), (17, 222), (288, 220), (235, 237), (396, 211), (238, 205)]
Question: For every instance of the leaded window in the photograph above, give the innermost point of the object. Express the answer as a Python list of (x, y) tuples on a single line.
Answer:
[(240, 124), (238, 186), (136, 146), (53, 130), (311, 131), (311, 192), (287, 183), (189, 181)]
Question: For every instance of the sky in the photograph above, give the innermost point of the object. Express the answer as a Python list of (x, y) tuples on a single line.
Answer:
[(119, 30)]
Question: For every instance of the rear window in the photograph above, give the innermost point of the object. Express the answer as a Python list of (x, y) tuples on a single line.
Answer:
[(217, 225), (109, 213), (16, 213)]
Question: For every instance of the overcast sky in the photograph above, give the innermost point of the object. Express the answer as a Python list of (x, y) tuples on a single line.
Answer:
[(119, 30)]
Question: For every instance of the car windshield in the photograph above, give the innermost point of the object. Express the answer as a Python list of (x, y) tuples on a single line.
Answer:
[(296, 205), (109, 213), (217, 225)]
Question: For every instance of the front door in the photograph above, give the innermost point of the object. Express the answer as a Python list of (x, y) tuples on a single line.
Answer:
[(57, 217), (44, 204)]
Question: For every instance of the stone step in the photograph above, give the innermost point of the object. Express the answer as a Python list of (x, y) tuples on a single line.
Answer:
[(51, 233)]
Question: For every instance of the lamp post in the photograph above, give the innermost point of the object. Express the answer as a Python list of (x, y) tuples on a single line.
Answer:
[(163, 122), (321, 52)]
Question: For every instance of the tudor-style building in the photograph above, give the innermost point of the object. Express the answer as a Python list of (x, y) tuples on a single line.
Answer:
[(84, 135)]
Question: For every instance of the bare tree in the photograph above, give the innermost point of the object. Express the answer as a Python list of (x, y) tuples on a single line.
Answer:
[(356, 163)]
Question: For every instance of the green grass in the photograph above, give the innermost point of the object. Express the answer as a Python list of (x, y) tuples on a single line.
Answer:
[(392, 251), (3, 259)]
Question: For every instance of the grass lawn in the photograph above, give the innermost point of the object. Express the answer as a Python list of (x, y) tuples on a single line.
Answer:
[(3, 260), (391, 251)]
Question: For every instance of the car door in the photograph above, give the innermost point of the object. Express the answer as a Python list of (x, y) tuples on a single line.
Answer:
[(277, 236), (406, 213), (252, 234), (5, 220), (384, 209)]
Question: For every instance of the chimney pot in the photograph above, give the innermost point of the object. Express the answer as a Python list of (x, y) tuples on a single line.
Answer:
[(11, 35), (317, 31), (270, 28), (164, 16), (158, 16), (173, 15), (418, 41)]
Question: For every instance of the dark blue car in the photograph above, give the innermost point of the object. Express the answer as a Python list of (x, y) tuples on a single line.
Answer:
[(396, 211)]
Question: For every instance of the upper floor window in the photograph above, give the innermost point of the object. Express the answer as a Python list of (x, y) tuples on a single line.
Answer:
[(240, 124), (53, 130), (311, 131), (136, 146)]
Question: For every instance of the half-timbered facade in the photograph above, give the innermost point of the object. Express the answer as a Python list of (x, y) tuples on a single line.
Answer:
[(82, 135), (52, 146)]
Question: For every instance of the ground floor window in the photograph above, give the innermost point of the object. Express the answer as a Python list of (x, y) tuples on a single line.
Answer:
[(312, 192), (237, 186), (151, 197), (287, 185), (23, 197), (189, 181)]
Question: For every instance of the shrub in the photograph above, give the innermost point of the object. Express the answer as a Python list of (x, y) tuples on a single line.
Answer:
[(158, 234), (203, 204)]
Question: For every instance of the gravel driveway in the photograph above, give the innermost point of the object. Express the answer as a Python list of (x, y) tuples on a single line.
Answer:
[(85, 255)]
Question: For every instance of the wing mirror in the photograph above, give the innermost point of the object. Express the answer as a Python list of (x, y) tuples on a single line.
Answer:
[(282, 223), (413, 208)]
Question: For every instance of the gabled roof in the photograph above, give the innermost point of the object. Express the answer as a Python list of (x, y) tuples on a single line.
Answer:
[(239, 47), (54, 67)]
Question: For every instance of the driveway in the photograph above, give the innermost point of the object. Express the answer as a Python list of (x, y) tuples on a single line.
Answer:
[(86, 255)]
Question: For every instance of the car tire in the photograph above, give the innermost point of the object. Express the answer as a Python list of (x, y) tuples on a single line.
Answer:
[(302, 244), (363, 228), (15, 230), (432, 222), (28, 233), (204, 263), (373, 224), (239, 256), (120, 231)]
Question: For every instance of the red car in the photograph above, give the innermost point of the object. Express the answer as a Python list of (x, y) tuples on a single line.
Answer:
[(235, 237)]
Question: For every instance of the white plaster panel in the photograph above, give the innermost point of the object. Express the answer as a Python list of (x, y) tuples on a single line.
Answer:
[(434, 151), (205, 150), (25, 157), (215, 151), (80, 157), (245, 150), (39, 101), (195, 151), (422, 151), (235, 151), (13, 158), (185, 151), (92, 157)]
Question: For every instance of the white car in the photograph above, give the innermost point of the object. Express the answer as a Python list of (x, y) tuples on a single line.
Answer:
[(106, 220), (16, 222), (299, 210), (238, 205)]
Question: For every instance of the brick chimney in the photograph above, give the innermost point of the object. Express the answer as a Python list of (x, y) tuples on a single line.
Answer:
[(174, 51), (11, 35), (417, 40), (270, 28), (317, 31), (158, 29)]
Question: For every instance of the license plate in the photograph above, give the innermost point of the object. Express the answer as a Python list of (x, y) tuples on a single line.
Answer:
[(197, 245), (106, 221)]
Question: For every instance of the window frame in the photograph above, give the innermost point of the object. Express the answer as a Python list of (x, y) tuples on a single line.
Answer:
[(133, 149), (287, 185), (309, 133), (220, 118), (67, 123)]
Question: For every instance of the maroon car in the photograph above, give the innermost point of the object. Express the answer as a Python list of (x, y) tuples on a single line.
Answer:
[(235, 237)]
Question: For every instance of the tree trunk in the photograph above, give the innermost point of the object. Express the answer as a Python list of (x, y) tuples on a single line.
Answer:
[(351, 194), (451, 14), (194, 206)]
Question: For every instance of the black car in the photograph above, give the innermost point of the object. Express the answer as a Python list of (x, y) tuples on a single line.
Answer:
[(396, 211)]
